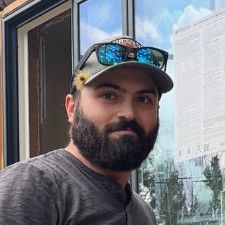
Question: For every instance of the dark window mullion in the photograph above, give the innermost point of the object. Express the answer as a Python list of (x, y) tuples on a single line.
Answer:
[(128, 18), (12, 114), (131, 18), (75, 28)]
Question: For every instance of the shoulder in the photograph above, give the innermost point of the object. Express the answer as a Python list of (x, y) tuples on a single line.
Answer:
[(140, 202), (34, 170), (144, 210), (31, 180), (25, 186), (27, 172)]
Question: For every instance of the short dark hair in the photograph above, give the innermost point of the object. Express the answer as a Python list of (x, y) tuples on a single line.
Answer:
[(76, 95)]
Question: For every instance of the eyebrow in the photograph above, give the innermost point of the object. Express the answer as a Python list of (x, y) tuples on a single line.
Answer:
[(117, 87), (108, 85), (151, 90)]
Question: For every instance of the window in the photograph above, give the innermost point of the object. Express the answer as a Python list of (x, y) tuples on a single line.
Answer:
[(188, 192), (12, 107), (44, 75), (99, 20)]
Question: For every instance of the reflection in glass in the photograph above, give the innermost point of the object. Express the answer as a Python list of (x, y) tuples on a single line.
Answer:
[(188, 192), (99, 20)]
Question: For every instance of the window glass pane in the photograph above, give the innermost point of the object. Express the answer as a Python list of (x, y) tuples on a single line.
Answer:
[(99, 20), (188, 192)]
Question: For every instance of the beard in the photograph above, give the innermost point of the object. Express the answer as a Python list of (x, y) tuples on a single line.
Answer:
[(117, 154)]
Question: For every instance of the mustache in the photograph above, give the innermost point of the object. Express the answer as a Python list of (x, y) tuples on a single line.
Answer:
[(125, 125)]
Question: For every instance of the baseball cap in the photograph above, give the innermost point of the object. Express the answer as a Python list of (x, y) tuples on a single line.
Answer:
[(95, 62)]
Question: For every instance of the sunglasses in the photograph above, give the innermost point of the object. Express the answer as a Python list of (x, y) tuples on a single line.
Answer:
[(112, 53)]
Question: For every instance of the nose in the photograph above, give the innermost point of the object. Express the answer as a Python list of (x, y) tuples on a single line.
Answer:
[(126, 111)]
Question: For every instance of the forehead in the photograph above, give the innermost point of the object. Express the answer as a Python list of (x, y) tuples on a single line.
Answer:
[(128, 79)]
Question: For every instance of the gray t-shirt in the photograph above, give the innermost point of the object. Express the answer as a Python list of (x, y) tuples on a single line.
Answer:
[(57, 189)]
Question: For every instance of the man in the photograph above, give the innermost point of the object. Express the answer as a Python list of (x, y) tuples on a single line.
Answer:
[(113, 112)]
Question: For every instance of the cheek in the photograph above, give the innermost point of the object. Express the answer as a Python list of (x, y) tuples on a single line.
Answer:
[(149, 121), (98, 114)]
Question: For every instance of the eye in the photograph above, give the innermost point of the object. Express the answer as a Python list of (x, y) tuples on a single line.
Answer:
[(145, 99), (108, 96)]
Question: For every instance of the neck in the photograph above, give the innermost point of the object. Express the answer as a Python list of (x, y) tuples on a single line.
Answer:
[(121, 177)]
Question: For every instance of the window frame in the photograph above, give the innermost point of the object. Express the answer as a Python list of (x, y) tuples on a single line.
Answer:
[(128, 24), (10, 24)]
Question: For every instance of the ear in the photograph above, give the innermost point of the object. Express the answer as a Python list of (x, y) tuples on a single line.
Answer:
[(70, 107)]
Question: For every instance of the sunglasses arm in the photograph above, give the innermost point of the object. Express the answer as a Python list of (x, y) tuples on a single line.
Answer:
[(165, 66), (166, 59), (83, 60)]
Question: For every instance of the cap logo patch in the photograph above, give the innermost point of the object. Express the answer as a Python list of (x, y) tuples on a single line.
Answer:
[(128, 42)]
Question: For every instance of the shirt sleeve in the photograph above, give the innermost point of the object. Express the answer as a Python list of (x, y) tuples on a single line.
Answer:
[(27, 197)]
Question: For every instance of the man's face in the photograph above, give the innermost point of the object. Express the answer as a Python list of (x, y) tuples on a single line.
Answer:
[(115, 124)]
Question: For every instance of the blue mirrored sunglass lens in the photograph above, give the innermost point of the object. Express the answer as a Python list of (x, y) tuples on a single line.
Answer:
[(110, 54), (150, 56)]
